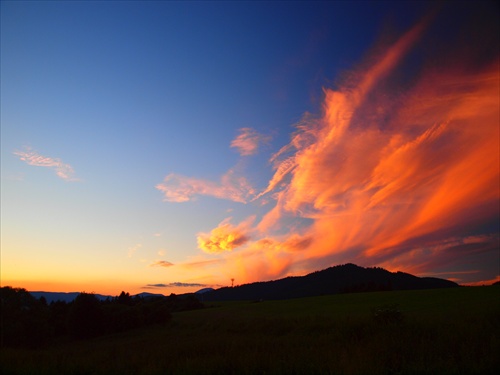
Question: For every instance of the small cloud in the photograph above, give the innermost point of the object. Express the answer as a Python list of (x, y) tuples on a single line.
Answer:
[(161, 253), (161, 263), (31, 157), (157, 234), (177, 188), (248, 141), (179, 285), (225, 237), (133, 249), (186, 285), (203, 263)]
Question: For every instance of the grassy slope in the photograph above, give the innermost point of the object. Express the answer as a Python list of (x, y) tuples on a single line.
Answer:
[(443, 331)]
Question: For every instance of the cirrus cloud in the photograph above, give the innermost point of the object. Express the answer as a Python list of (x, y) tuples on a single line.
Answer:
[(177, 284), (161, 263), (178, 188), (397, 180), (31, 157), (400, 170), (379, 175), (248, 141)]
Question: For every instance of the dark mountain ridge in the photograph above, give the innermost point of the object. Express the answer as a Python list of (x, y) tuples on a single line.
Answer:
[(347, 278)]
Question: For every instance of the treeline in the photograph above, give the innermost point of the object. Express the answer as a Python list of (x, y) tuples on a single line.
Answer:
[(29, 322)]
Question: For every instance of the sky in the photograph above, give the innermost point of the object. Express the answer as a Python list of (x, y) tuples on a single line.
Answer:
[(166, 147)]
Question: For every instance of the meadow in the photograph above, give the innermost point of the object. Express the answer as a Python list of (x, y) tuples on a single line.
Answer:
[(445, 331)]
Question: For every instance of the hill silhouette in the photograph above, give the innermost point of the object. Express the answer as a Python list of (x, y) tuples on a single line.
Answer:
[(347, 278)]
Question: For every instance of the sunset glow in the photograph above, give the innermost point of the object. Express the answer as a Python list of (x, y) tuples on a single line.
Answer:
[(396, 165)]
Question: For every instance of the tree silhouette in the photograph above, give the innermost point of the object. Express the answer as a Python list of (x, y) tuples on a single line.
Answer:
[(85, 316), (125, 299), (23, 318)]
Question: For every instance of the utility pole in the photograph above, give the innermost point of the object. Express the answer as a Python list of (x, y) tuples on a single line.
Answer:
[(232, 283)]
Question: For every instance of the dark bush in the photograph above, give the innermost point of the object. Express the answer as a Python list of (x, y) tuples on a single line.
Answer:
[(156, 312), (119, 317), (191, 302)]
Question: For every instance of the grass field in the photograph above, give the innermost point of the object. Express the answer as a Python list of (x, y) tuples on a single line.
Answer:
[(445, 331)]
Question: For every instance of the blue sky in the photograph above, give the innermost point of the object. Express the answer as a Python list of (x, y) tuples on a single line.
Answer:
[(102, 101)]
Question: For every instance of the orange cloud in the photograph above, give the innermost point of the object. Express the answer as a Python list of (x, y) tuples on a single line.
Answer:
[(161, 263), (257, 264), (202, 263), (292, 243), (379, 174), (31, 157), (248, 141), (401, 169), (484, 282), (177, 188), (225, 237)]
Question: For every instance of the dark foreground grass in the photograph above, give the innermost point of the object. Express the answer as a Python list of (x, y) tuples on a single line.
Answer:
[(445, 331)]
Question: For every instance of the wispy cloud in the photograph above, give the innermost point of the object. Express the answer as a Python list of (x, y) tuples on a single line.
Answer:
[(31, 157), (161, 263), (157, 285), (186, 285), (381, 178), (232, 185), (292, 243), (376, 173), (178, 188), (133, 249), (202, 263), (390, 173), (248, 141), (483, 282), (180, 285)]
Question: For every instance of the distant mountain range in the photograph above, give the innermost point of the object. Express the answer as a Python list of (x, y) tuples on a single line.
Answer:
[(347, 278)]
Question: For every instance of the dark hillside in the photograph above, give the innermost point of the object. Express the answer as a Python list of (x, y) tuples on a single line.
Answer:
[(347, 278)]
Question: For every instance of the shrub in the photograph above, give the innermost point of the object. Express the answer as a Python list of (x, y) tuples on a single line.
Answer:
[(156, 313), (119, 317)]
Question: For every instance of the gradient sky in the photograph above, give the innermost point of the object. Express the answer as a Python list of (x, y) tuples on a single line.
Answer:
[(171, 146)]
